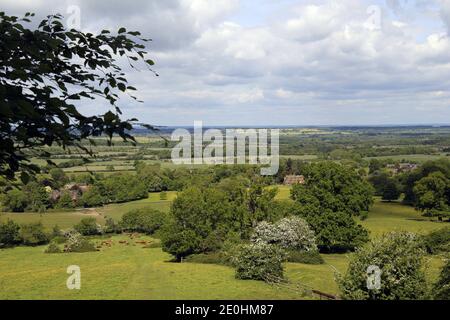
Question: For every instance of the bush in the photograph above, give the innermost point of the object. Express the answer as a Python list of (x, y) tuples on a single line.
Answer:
[(9, 233), (76, 243), (289, 233), (33, 234), (163, 195), (88, 227), (145, 220), (14, 200), (53, 248), (111, 226), (306, 257), (442, 287), (93, 197), (437, 241), (259, 261), (399, 257)]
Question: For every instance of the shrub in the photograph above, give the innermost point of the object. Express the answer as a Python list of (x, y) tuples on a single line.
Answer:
[(259, 261), (442, 287), (76, 243), (53, 248), (15, 200), (9, 233), (399, 258), (437, 241), (163, 195), (93, 197), (145, 220), (111, 226), (88, 227), (65, 201), (289, 233), (33, 234), (306, 257)]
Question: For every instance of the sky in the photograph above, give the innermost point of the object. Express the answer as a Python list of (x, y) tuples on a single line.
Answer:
[(278, 62)]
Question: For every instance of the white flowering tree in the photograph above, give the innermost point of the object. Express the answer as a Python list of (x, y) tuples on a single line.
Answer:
[(291, 233)]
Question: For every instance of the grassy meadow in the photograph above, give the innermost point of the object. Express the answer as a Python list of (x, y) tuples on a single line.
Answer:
[(134, 272)]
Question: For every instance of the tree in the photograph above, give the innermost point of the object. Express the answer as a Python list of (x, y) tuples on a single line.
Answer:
[(33, 234), (379, 180), (15, 200), (391, 190), (93, 197), (59, 177), (433, 195), (87, 227), (9, 233), (331, 186), (337, 231), (43, 72), (399, 258), (442, 286), (259, 261), (291, 233), (37, 196), (147, 220), (65, 200)]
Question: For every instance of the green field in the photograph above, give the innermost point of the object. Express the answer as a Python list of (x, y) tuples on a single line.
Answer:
[(133, 272)]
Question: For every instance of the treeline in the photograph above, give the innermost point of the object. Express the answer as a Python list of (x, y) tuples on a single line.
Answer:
[(427, 188)]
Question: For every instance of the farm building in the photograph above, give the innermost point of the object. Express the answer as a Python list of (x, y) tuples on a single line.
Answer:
[(293, 179)]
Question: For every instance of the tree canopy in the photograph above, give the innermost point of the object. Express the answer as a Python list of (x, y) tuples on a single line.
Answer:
[(44, 71)]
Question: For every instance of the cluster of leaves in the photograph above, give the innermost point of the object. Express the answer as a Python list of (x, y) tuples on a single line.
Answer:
[(43, 72)]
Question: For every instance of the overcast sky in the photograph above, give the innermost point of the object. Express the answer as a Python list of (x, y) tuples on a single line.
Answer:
[(280, 62)]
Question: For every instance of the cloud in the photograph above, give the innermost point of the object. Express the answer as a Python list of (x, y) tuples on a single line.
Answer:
[(316, 62)]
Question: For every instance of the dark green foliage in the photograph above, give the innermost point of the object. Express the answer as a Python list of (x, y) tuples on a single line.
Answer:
[(9, 233), (437, 241), (178, 242), (337, 231), (441, 290), (163, 195), (399, 256), (59, 177), (33, 234), (432, 195), (331, 186), (14, 200), (87, 227), (37, 197), (259, 262), (409, 180), (77, 65), (391, 190), (122, 188), (379, 180), (306, 257), (146, 220), (93, 197)]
